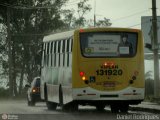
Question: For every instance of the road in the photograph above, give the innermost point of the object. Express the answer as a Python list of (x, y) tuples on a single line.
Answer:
[(18, 110)]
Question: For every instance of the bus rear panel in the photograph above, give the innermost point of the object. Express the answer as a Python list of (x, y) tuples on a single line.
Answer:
[(107, 67)]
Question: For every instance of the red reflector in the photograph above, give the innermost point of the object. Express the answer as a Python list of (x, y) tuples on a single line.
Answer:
[(91, 94), (81, 30), (81, 74)]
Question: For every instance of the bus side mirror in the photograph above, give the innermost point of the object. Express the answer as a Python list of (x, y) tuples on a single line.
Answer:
[(149, 46), (27, 86)]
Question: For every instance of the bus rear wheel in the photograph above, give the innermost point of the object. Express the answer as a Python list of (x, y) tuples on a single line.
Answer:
[(114, 108), (72, 106), (61, 97), (124, 108), (51, 105)]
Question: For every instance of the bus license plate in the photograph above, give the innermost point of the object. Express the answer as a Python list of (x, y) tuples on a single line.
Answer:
[(109, 84)]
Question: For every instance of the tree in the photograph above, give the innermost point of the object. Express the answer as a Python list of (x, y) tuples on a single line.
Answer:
[(29, 21), (28, 25), (104, 23), (83, 8), (68, 18)]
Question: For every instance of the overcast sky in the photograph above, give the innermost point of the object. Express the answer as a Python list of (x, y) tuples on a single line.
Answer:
[(122, 13)]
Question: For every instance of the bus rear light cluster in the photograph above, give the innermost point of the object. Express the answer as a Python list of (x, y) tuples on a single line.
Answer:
[(83, 77), (134, 77)]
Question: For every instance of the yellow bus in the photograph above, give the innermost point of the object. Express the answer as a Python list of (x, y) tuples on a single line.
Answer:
[(93, 66)]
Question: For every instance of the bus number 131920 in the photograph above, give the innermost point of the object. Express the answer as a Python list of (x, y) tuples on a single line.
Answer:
[(109, 72)]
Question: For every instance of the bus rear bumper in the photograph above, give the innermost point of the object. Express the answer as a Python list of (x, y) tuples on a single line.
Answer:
[(131, 94)]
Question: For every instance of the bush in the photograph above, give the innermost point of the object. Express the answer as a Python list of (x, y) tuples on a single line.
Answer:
[(4, 93), (149, 89)]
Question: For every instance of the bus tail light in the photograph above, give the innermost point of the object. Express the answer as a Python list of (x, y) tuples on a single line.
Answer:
[(83, 78), (81, 74), (81, 30)]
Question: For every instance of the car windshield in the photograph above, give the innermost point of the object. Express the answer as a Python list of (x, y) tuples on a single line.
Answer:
[(37, 82)]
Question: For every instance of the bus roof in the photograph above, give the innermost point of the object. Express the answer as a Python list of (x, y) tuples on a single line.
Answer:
[(68, 34), (58, 36)]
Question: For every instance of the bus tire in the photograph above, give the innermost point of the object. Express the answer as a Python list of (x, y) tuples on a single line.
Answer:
[(45, 93), (124, 108), (51, 105), (60, 97), (72, 106), (114, 108)]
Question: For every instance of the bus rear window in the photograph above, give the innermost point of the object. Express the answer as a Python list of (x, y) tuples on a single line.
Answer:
[(108, 44)]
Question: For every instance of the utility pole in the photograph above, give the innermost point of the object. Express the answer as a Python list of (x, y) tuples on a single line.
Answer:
[(9, 53), (94, 13), (155, 51)]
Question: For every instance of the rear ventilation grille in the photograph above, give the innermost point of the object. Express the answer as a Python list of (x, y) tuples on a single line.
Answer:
[(108, 95)]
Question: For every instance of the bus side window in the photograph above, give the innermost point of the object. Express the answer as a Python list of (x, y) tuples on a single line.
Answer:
[(71, 44), (51, 53), (67, 45), (63, 52), (54, 53), (57, 53), (68, 50), (43, 54), (48, 47)]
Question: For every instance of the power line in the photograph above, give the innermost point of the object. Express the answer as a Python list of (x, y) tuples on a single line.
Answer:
[(5, 5), (74, 1), (36, 34), (32, 7), (139, 24), (134, 25), (71, 4), (124, 17), (25, 7)]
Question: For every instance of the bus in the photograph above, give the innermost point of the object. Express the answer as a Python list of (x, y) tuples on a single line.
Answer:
[(93, 66)]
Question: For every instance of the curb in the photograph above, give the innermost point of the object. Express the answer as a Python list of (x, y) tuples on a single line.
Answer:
[(152, 110)]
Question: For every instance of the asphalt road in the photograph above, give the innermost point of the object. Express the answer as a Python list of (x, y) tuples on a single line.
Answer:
[(19, 110)]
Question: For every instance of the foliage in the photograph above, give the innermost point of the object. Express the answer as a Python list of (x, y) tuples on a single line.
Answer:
[(149, 86), (29, 22), (4, 93), (71, 19), (104, 23), (68, 19), (83, 8)]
